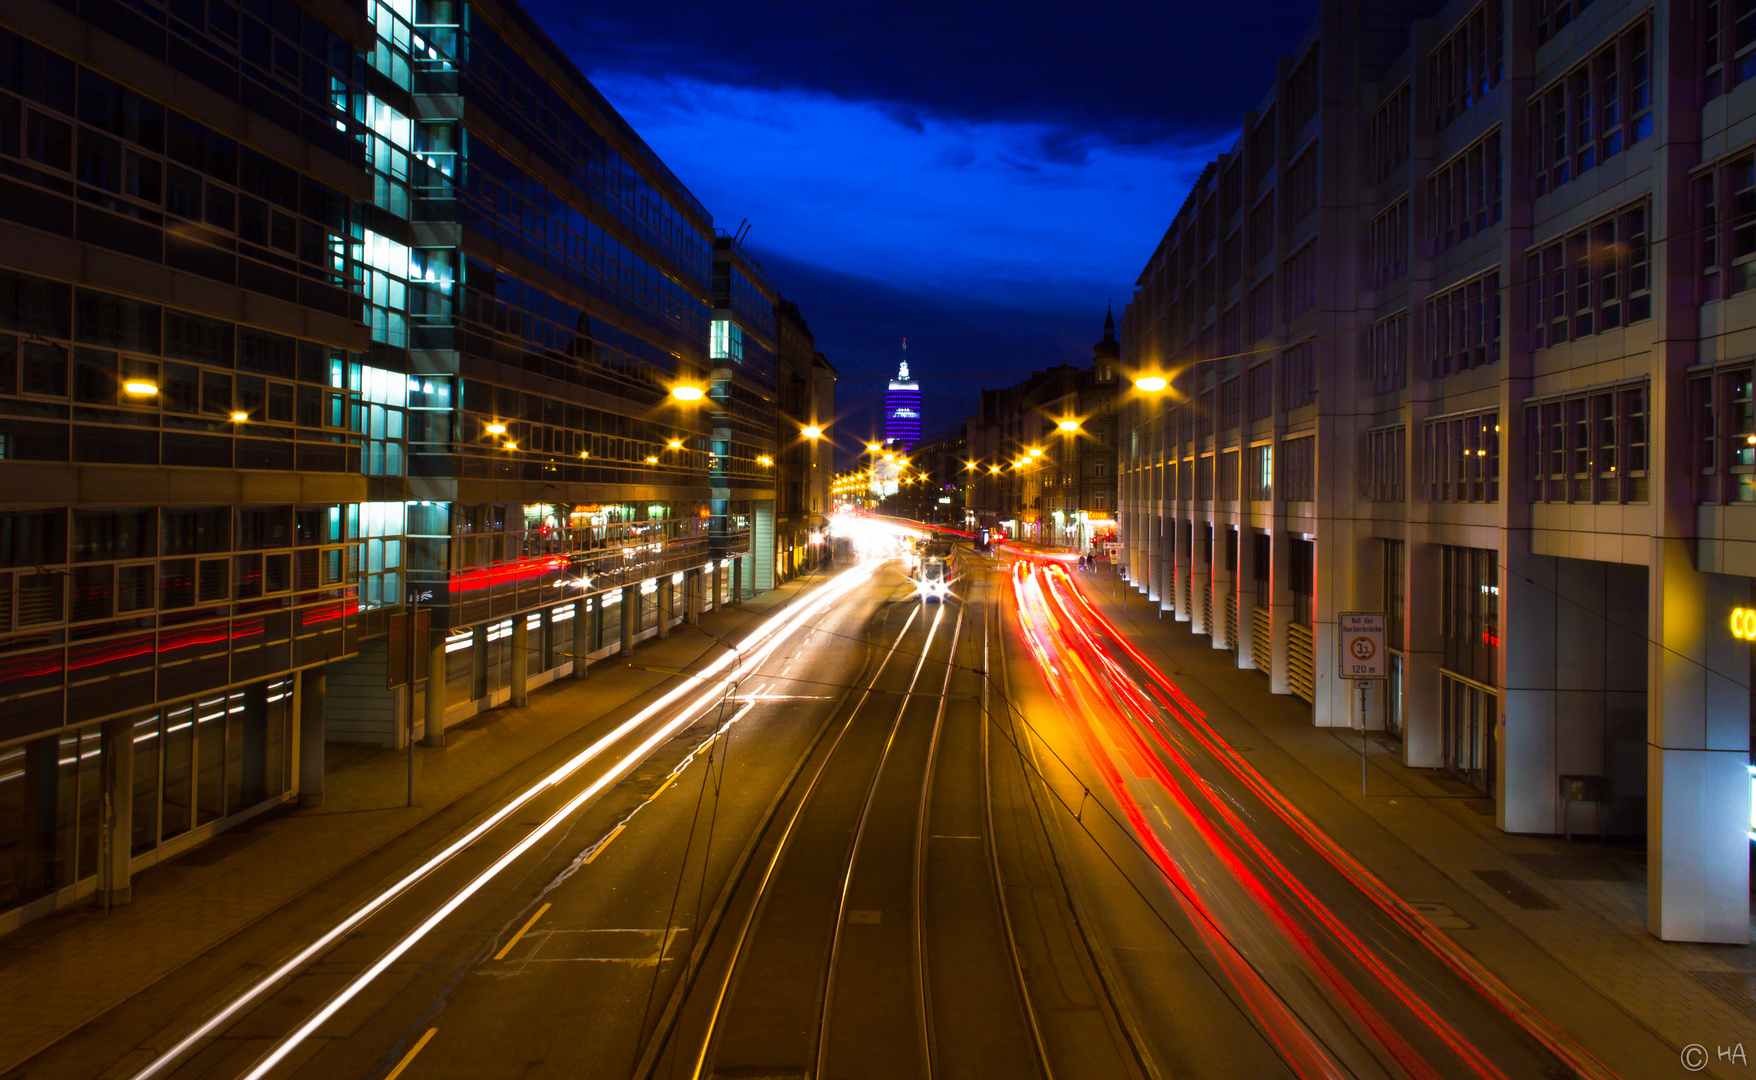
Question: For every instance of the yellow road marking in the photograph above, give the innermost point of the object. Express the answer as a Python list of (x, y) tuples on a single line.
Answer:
[(599, 850), (501, 955), (410, 1056), (663, 786)]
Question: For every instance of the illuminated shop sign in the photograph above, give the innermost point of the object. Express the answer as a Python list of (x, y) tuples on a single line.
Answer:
[(1744, 624)]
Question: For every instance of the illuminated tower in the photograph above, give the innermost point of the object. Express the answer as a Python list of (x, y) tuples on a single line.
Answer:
[(902, 408)]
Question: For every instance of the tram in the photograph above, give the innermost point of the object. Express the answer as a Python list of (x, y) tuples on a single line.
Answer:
[(934, 570)]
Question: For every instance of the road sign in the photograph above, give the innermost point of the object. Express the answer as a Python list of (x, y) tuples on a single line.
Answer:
[(1112, 549), (1360, 645)]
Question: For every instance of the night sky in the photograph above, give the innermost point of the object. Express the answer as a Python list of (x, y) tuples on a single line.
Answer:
[(980, 178)]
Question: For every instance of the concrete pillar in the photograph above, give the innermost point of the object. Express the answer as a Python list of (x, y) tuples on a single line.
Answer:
[(583, 623), (692, 597), (1179, 537), (115, 884), (311, 699), (520, 660), (1166, 523), (630, 608), (433, 727), (717, 586), (1221, 584), (1698, 752), (738, 580), (663, 597)]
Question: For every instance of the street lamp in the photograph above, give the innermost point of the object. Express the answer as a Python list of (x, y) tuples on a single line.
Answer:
[(675, 444), (140, 388), (1036, 451), (496, 429), (811, 431), (1069, 425), (687, 392), (1151, 384)]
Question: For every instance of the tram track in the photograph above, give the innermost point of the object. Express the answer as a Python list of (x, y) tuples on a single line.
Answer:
[(830, 962)]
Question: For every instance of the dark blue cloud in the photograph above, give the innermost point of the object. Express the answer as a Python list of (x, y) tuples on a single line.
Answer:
[(979, 177)]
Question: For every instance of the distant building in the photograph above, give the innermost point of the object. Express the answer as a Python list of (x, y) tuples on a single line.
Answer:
[(902, 408), (1036, 479)]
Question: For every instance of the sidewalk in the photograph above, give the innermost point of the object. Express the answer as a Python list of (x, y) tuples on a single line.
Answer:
[(65, 970), (1581, 906)]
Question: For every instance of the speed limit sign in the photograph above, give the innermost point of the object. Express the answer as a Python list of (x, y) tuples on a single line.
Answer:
[(1361, 645)]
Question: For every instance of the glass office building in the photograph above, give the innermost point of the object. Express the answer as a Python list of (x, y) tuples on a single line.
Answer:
[(315, 317)]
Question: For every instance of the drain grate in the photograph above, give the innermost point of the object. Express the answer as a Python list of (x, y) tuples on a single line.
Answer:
[(1515, 890), (1735, 988)]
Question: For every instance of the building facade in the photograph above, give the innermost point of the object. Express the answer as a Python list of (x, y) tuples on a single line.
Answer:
[(323, 327), (902, 407), (1460, 331), (1043, 454)]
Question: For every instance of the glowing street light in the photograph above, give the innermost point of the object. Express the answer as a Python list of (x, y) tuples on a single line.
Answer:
[(765, 460), (511, 446), (140, 388), (651, 460), (496, 429), (675, 444), (1152, 384), (873, 448), (240, 417), (687, 392), (1069, 425), (1036, 451), (811, 431)]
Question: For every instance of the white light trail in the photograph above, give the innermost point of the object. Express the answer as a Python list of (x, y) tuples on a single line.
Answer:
[(742, 659)]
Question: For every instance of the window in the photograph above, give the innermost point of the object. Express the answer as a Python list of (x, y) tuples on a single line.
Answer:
[(1228, 476), (1387, 246), (1259, 483), (1726, 244), (1262, 310), (1298, 469), (1394, 593), (1299, 375), (1463, 195), (1552, 15), (1467, 64), (1231, 394), (1461, 453), (1588, 447), (1594, 279), (1462, 326), (1302, 576), (1386, 463), (1722, 411), (1387, 137), (1301, 280), (1300, 94), (1384, 352), (1470, 599), (1592, 113), (1728, 40), (1260, 391), (1262, 228), (1300, 187)]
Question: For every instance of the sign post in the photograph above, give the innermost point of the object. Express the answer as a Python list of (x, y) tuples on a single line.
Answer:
[(1361, 656)]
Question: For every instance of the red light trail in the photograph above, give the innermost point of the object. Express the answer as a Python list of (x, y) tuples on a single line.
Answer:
[(1391, 1007)]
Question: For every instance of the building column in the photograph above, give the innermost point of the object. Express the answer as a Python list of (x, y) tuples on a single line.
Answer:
[(664, 598), (738, 580), (1179, 565), (311, 698), (717, 586), (1167, 561), (433, 726), (692, 597), (1423, 690), (520, 660), (115, 882), (1221, 593), (1246, 585), (1697, 752), (583, 624), (630, 608)]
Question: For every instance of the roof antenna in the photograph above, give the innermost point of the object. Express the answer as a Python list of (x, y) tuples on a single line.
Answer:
[(743, 231)]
